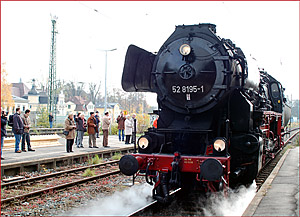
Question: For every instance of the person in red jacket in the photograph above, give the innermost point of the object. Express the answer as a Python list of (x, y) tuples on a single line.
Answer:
[(92, 130), (120, 121), (155, 122)]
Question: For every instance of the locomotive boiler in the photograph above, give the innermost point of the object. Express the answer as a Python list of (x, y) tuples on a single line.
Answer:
[(216, 127)]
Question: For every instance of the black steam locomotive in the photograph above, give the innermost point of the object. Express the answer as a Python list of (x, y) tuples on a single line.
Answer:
[(217, 127)]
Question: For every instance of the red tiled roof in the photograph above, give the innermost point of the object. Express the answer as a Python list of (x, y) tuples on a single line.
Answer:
[(19, 89)]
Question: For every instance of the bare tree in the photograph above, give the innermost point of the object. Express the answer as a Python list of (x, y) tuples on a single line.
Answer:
[(71, 89), (94, 91), (133, 102)]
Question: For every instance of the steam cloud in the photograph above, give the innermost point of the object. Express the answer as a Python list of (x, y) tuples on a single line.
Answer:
[(234, 205), (119, 204), (125, 202)]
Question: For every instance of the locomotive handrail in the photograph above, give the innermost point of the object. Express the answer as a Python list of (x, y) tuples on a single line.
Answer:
[(180, 130)]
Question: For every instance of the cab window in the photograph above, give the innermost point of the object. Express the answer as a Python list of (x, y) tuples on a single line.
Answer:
[(275, 90)]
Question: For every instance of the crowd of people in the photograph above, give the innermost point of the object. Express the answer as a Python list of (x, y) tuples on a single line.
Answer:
[(74, 129), (20, 127), (127, 127)]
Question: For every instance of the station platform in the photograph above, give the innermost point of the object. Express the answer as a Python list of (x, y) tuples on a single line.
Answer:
[(57, 150), (279, 195)]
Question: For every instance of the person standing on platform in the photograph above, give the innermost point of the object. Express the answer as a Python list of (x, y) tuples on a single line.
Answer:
[(70, 127), (26, 134), (128, 129), (51, 120), (97, 123), (120, 121), (105, 127), (3, 129), (155, 122), (76, 122), (134, 129), (92, 130), (18, 129), (81, 128)]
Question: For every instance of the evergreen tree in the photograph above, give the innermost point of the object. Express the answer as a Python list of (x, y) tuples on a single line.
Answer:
[(42, 118)]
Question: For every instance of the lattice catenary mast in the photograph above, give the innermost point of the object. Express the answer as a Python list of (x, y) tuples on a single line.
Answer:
[(52, 87)]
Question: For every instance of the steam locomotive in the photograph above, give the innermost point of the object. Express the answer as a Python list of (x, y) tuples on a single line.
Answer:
[(218, 124)]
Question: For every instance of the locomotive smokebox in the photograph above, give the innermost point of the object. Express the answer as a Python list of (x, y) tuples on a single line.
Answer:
[(128, 165), (190, 73), (211, 169)]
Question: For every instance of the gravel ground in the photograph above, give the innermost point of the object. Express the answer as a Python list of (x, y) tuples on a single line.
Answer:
[(60, 202), (51, 182), (57, 203)]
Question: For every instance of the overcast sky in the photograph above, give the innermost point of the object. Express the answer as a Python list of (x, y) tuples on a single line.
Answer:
[(269, 31)]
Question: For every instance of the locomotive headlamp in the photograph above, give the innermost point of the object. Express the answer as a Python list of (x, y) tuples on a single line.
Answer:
[(185, 49), (143, 142), (219, 144)]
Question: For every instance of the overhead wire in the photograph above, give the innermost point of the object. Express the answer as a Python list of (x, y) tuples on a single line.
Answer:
[(94, 9)]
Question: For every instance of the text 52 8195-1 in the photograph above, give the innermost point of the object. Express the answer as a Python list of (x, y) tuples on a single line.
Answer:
[(187, 89)]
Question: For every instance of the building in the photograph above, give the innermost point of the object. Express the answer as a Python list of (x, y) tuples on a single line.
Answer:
[(113, 109), (75, 105), (61, 105), (19, 89), (82, 106), (19, 103), (36, 100)]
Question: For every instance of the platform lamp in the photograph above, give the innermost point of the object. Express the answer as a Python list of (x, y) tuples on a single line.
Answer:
[(105, 94), (105, 89)]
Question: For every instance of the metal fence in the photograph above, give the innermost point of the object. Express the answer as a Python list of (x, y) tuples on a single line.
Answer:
[(40, 131)]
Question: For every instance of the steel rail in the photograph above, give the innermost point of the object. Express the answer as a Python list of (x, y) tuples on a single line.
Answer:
[(153, 205), (45, 190), (270, 164), (291, 137), (285, 142), (32, 179)]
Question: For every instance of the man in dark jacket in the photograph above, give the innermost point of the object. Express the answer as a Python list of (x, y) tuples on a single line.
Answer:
[(51, 120), (26, 134), (134, 128), (97, 123), (81, 128), (3, 129), (76, 122), (18, 129)]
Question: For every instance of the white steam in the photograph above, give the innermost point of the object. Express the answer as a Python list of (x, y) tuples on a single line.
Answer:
[(234, 205), (119, 204), (125, 202)]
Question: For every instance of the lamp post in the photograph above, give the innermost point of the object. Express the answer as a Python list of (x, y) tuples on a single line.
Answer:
[(105, 93)]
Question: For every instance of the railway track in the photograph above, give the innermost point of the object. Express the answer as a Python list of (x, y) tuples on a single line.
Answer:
[(189, 208), (268, 168), (152, 208), (15, 187)]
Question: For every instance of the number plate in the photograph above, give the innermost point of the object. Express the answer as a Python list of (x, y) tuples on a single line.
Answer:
[(187, 89)]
